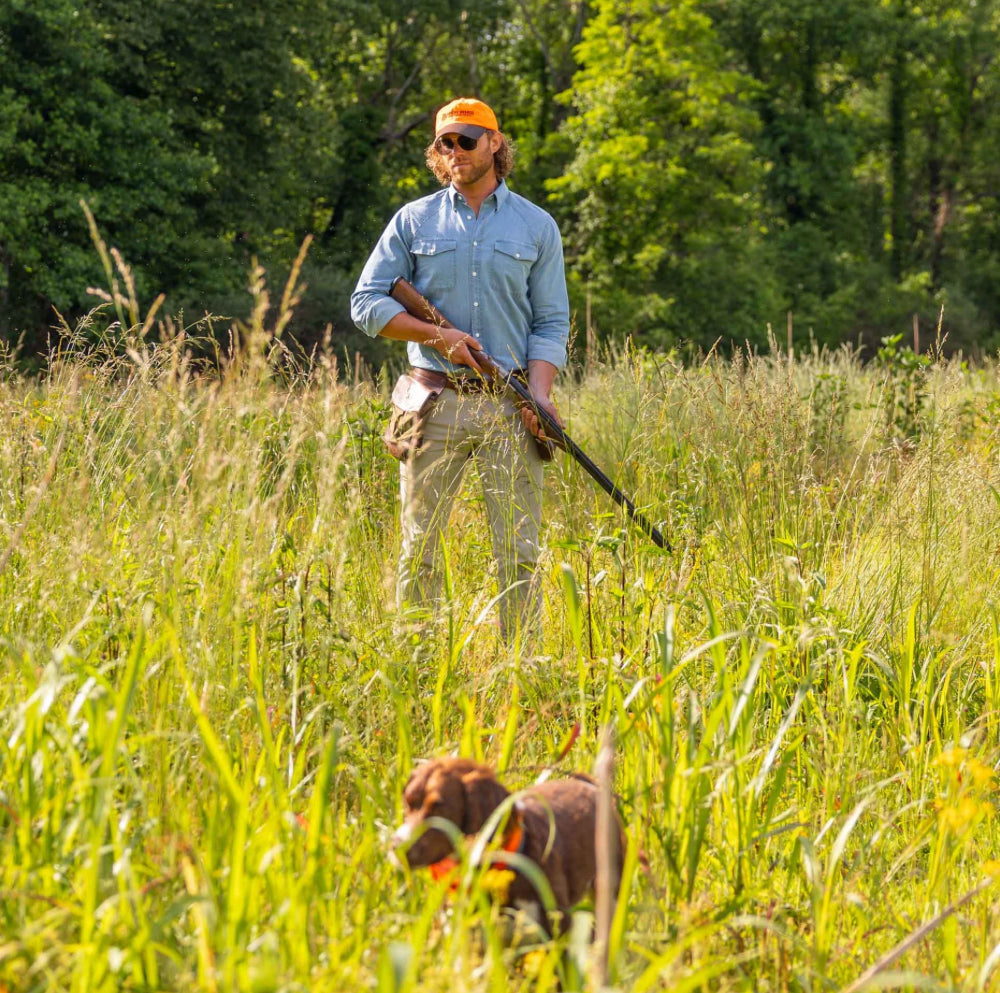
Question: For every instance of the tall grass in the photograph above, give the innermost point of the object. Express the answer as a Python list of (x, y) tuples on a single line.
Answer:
[(207, 718)]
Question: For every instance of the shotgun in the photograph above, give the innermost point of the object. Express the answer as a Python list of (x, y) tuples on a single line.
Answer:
[(419, 306)]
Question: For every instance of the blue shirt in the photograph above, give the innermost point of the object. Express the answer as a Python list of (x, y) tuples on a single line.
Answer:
[(498, 276)]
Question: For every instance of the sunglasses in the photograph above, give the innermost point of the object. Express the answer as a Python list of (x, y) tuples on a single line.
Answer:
[(467, 144)]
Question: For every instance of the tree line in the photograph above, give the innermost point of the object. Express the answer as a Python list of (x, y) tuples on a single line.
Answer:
[(716, 166)]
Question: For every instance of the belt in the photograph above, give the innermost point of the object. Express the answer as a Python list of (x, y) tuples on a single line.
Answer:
[(464, 385)]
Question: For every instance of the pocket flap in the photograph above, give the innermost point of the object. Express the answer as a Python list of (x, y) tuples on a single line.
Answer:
[(518, 250), (433, 246)]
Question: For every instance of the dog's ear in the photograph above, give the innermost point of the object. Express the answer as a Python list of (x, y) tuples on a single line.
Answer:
[(483, 794), (416, 785)]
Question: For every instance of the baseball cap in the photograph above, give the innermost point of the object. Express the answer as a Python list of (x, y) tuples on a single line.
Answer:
[(465, 116)]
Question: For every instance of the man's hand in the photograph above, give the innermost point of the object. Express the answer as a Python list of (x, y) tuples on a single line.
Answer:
[(459, 348), (531, 419)]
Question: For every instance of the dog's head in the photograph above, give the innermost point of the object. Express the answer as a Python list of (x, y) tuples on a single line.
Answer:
[(459, 791)]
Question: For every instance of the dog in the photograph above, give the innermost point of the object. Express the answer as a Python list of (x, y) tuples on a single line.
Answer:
[(552, 824)]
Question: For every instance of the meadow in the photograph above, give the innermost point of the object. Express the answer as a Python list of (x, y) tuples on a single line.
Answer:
[(208, 711)]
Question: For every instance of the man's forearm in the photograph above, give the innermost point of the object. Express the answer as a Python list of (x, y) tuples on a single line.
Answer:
[(406, 327), (456, 346), (541, 376)]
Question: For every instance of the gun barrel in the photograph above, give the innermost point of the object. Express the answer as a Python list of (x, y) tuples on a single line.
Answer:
[(419, 306), (555, 431)]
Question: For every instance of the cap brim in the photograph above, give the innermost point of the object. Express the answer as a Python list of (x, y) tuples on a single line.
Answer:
[(469, 130)]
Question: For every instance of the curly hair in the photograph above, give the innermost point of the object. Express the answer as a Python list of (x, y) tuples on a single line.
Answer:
[(503, 160)]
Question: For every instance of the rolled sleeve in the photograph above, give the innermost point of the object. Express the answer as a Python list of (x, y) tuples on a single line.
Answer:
[(371, 306), (549, 333)]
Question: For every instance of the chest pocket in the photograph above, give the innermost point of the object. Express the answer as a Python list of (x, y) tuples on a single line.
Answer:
[(435, 264), (512, 261)]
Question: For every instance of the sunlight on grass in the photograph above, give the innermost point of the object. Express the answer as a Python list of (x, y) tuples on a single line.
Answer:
[(208, 718)]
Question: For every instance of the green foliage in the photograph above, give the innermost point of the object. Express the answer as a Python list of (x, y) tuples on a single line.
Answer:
[(905, 388), (66, 134), (713, 165), (662, 182)]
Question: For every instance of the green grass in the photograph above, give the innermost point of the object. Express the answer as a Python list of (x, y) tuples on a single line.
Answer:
[(207, 719)]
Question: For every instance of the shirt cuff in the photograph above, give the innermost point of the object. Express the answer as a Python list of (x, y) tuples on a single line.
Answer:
[(379, 314), (547, 351)]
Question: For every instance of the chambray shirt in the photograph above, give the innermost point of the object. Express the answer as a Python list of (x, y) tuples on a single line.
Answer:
[(498, 276)]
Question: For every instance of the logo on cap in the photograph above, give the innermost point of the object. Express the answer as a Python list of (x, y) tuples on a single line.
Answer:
[(471, 113)]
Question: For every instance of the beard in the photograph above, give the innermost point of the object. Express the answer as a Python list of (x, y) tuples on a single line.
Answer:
[(471, 172)]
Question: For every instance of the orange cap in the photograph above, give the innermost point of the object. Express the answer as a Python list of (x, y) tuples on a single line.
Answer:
[(465, 116)]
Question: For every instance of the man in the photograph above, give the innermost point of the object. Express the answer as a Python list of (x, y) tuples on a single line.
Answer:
[(492, 263)]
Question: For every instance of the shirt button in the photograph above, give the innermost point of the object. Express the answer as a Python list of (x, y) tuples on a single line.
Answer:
[(476, 243), (476, 304), (517, 255), (474, 273)]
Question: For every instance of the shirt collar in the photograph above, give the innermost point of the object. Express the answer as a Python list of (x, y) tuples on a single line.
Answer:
[(501, 193)]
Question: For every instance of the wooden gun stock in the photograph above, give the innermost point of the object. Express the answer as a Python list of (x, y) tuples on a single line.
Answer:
[(419, 306)]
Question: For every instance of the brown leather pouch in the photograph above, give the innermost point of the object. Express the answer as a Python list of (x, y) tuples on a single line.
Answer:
[(411, 403)]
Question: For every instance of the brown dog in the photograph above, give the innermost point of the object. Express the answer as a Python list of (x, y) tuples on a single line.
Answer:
[(553, 824)]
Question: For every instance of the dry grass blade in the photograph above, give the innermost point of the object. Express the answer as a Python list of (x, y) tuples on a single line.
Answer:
[(36, 502), (891, 957), (608, 855)]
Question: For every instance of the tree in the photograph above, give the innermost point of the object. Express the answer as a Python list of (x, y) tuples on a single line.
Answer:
[(663, 184), (947, 71), (66, 135), (813, 64)]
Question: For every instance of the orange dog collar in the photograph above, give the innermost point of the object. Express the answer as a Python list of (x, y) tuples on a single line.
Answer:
[(513, 844)]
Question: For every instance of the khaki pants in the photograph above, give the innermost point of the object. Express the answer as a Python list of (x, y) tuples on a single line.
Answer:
[(489, 431)]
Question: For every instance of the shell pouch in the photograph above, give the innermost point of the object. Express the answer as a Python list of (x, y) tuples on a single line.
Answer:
[(412, 401)]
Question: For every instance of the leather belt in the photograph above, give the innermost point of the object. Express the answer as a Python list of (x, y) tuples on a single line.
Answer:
[(465, 385)]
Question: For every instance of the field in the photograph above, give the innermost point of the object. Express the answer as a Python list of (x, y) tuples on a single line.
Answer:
[(208, 715)]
